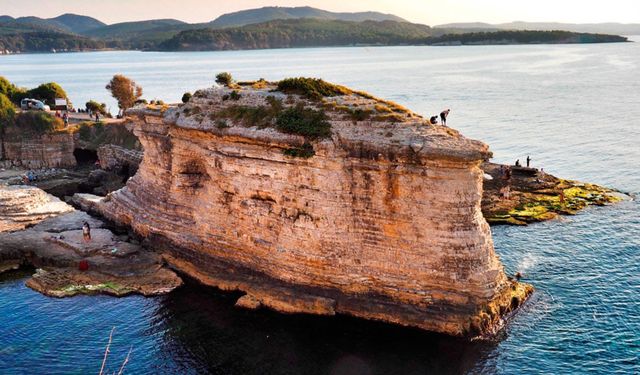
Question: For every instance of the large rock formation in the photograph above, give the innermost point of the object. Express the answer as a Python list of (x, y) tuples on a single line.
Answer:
[(381, 219)]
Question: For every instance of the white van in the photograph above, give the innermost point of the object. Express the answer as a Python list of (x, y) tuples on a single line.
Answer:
[(28, 104)]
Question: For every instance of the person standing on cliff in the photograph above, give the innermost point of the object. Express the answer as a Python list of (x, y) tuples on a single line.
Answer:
[(86, 232), (443, 116), (528, 161)]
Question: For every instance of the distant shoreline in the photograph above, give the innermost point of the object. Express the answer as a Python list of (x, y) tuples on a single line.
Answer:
[(440, 44)]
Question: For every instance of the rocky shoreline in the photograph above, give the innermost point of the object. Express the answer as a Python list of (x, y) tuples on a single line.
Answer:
[(53, 244), (528, 195), (380, 219)]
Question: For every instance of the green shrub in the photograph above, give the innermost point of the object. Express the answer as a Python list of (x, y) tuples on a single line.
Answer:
[(186, 97), (304, 121), (312, 88), (38, 122), (234, 95), (306, 151), (359, 114), (259, 116), (94, 132), (224, 78), (275, 103), (84, 131)]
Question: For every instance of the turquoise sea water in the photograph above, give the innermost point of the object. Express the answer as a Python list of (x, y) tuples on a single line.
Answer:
[(574, 108)]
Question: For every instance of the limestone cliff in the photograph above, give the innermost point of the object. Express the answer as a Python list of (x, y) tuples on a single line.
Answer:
[(379, 218), (51, 150)]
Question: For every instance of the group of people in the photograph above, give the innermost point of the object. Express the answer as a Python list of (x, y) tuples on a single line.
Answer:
[(517, 164), (443, 118), (29, 177), (64, 116)]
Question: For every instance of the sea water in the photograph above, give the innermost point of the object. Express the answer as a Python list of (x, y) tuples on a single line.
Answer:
[(575, 109)]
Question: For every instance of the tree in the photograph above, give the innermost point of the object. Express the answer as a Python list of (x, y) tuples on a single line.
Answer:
[(124, 90), (6, 87), (224, 78), (11, 91), (7, 117), (94, 107), (48, 92)]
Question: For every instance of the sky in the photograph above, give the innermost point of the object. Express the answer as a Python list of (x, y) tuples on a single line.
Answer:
[(430, 12)]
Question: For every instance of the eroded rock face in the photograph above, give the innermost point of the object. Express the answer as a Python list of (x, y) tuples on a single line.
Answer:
[(382, 222), (116, 158), (23, 206), (39, 151)]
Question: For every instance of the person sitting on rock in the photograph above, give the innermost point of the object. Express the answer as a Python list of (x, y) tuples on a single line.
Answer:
[(433, 120), (86, 232), (518, 163), (443, 116)]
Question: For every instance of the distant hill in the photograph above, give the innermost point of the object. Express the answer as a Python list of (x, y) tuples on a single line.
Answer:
[(304, 32), (130, 30), (68, 23), (76, 23), (252, 16), (606, 28), (277, 27)]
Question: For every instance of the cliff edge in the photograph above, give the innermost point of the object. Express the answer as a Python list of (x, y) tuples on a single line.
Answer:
[(314, 198)]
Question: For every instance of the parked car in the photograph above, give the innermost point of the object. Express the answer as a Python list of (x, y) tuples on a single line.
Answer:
[(33, 104)]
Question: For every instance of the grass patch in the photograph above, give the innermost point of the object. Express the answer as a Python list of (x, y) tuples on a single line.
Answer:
[(312, 88), (381, 108), (260, 116), (259, 84)]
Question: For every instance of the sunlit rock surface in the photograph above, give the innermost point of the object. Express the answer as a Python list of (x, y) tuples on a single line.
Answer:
[(381, 221), (38, 230)]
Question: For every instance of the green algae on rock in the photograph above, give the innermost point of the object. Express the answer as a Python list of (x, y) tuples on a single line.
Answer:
[(534, 196)]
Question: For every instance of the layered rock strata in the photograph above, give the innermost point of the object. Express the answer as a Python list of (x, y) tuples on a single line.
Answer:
[(116, 158), (23, 206), (53, 150), (381, 220)]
